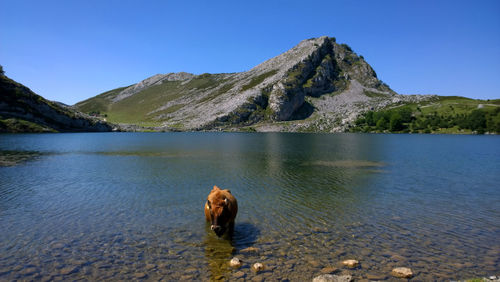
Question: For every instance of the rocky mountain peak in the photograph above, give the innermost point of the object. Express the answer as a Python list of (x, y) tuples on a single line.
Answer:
[(316, 81), (320, 66)]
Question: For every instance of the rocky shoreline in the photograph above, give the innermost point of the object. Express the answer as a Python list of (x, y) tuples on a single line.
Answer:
[(349, 278), (345, 272)]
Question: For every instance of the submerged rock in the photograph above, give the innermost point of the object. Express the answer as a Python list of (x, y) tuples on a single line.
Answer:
[(68, 270), (28, 271), (235, 262), (402, 272), (314, 263), (257, 267), (249, 250), (328, 270), (375, 277), (57, 245), (332, 278), (239, 274), (351, 263), (140, 275)]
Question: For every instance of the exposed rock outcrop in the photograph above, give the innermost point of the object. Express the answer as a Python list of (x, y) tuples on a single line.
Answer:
[(328, 68)]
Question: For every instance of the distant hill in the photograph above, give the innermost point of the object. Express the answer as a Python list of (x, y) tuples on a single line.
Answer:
[(317, 86), (21, 110), (445, 114)]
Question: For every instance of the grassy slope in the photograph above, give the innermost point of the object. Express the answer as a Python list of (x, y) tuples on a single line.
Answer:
[(138, 108), (446, 107), (16, 125), (135, 108), (450, 105), (98, 103)]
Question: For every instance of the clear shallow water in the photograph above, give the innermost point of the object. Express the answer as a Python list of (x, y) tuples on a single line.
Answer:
[(118, 206)]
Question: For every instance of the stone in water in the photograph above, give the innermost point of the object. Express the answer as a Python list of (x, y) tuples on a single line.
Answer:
[(402, 272), (350, 263), (235, 262), (258, 267), (332, 278)]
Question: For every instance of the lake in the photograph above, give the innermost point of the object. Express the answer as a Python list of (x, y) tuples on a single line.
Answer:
[(120, 206)]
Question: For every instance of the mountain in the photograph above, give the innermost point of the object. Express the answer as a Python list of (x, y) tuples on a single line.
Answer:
[(21, 110), (318, 85)]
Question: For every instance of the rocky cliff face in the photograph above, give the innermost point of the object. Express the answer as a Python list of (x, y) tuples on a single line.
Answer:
[(318, 85), (21, 110)]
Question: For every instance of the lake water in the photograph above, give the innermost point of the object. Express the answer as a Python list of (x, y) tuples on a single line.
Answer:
[(119, 206)]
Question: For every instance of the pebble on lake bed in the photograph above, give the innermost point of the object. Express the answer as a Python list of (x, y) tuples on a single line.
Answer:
[(140, 275), (257, 267), (328, 270), (239, 274), (235, 262), (249, 250), (68, 270), (332, 278), (28, 271), (402, 272), (350, 263)]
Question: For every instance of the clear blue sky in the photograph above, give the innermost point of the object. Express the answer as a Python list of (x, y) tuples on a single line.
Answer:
[(72, 50)]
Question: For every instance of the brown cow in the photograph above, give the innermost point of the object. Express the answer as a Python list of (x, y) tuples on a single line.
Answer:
[(221, 209)]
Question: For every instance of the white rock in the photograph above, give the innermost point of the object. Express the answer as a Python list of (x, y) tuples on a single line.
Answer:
[(332, 278), (402, 272), (235, 262), (258, 267), (350, 263)]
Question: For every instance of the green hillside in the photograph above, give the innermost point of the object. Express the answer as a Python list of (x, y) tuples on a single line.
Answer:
[(100, 103), (143, 108), (446, 114)]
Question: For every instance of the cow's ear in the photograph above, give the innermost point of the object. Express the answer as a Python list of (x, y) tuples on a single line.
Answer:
[(227, 190), (216, 188)]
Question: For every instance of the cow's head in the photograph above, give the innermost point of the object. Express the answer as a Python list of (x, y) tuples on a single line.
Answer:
[(218, 207)]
